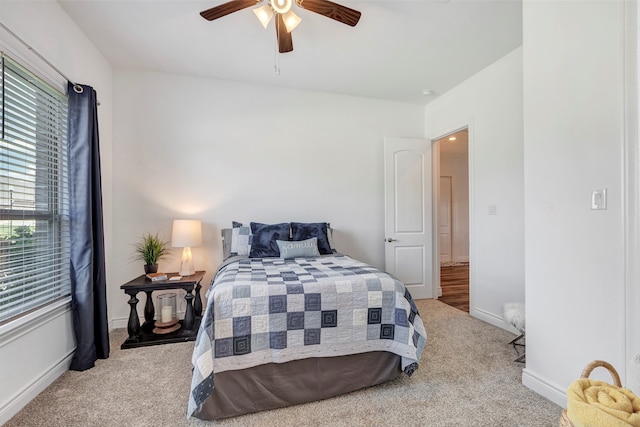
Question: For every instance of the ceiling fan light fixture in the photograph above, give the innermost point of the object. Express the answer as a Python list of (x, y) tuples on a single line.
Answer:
[(285, 19), (264, 14), (281, 6), (291, 20)]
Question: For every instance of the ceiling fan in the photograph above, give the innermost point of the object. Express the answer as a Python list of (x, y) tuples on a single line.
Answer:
[(285, 19)]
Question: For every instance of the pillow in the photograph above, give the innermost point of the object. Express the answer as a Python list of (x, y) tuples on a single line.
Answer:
[(304, 231), (236, 240), (226, 242), (298, 249), (330, 233), (263, 243), (240, 241)]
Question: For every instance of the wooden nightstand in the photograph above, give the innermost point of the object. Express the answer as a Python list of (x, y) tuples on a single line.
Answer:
[(143, 335)]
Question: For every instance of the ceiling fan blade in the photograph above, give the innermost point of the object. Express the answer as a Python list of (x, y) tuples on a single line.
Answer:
[(227, 8), (331, 10), (285, 41)]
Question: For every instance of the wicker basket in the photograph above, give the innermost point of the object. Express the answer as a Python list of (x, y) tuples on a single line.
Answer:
[(564, 419)]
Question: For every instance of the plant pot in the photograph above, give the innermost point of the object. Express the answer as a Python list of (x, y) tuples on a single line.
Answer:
[(150, 268)]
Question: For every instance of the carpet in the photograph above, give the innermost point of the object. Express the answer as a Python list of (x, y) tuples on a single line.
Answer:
[(467, 377)]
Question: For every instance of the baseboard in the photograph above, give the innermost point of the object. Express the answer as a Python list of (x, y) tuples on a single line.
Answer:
[(490, 318), (529, 380), (439, 291), (27, 394), (544, 388), (122, 322)]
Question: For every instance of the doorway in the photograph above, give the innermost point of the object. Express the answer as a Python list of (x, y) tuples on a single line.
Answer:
[(453, 218)]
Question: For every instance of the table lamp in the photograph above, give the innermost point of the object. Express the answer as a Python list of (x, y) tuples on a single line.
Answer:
[(186, 234)]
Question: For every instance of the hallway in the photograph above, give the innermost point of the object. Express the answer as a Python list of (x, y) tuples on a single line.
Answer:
[(454, 281)]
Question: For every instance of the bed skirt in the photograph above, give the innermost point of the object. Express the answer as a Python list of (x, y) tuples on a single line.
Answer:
[(277, 385)]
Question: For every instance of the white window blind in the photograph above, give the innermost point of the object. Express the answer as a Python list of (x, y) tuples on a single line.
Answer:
[(34, 217)]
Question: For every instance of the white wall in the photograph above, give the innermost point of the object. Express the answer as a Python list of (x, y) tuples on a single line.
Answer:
[(35, 353), (574, 142), (221, 151), (490, 103)]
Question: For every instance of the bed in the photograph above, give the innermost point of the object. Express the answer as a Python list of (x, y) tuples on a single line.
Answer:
[(289, 320)]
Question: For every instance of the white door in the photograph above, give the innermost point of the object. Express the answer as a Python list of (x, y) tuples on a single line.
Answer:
[(444, 218), (408, 213)]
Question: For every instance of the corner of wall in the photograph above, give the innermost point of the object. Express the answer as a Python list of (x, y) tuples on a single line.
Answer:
[(544, 388)]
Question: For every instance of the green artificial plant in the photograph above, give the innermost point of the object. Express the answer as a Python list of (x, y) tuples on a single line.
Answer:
[(151, 248)]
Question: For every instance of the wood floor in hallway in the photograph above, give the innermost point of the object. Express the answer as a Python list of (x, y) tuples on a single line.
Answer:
[(454, 281)]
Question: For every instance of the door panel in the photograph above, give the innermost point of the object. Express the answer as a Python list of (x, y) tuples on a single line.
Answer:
[(444, 219), (410, 265), (409, 200), (408, 214)]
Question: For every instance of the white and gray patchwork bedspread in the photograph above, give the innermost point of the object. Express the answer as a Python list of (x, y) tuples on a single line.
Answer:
[(272, 310)]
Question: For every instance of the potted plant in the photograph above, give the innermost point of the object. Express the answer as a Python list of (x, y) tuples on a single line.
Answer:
[(150, 249)]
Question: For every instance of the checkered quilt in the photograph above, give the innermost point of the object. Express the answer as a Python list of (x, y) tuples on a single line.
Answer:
[(272, 310)]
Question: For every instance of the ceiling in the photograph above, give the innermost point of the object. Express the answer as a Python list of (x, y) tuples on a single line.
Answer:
[(397, 50), (455, 147)]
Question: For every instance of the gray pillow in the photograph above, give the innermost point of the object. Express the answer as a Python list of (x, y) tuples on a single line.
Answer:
[(298, 249), (236, 240), (226, 242), (240, 241)]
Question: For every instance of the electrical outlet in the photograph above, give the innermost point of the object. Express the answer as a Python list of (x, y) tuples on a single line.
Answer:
[(493, 210)]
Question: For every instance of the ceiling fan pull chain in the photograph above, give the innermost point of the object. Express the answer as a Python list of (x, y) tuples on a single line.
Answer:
[(276, 59)]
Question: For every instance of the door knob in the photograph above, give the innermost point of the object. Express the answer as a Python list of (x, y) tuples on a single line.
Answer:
[(389, 239)]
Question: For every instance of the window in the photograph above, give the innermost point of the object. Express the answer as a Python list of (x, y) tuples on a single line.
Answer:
[(34, 217)]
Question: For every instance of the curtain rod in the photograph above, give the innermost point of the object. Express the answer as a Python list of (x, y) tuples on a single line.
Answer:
[(78, 88)]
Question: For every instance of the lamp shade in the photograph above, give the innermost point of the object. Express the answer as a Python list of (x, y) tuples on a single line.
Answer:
[(186, 233), (264, 14), (291, 20)]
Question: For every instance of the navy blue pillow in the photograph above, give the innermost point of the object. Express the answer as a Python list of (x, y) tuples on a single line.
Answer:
[(263, 243), (304, 231)]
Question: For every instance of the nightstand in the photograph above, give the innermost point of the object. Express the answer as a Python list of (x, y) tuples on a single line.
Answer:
[(143, 335)]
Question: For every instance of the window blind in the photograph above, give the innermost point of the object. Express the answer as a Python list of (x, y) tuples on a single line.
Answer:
[(34, 202)]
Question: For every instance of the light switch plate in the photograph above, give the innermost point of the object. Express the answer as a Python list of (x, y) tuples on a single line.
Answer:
[(599, 199)]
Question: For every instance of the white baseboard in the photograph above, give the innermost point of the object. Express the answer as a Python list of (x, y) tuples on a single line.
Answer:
[(439, 291), (529, 379), (27, 394), (490, 318), (544, 388), (121, 322)]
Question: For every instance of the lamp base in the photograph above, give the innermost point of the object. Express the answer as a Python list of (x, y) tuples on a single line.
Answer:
[(189, 271), (186, 268)]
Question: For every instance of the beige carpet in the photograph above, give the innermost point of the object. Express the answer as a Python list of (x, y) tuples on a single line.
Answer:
[(467, 377)]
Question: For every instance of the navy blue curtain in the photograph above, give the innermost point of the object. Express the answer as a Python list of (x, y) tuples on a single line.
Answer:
[(88, 282)]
